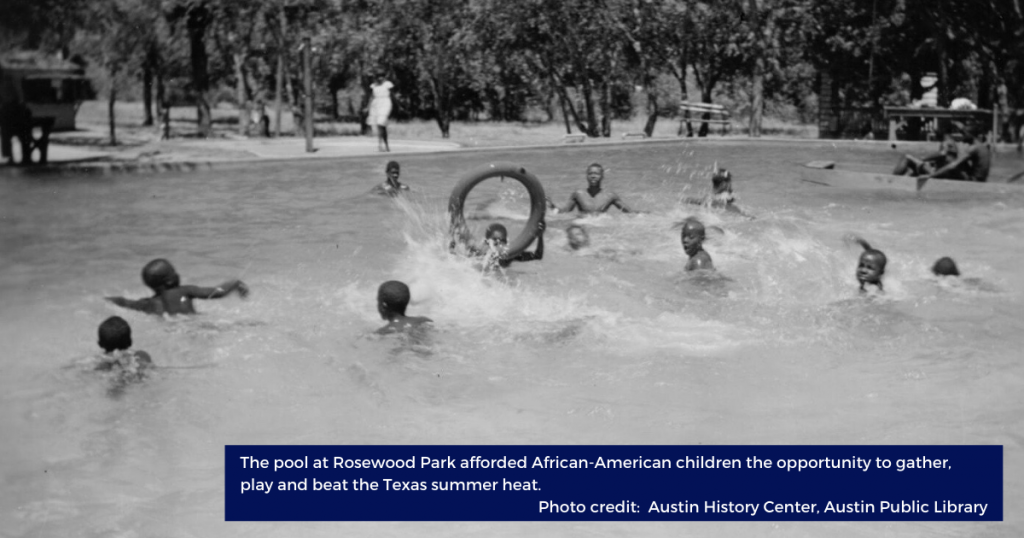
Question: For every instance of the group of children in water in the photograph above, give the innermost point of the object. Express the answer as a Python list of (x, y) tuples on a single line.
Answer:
[(171, 297), (393, 296)]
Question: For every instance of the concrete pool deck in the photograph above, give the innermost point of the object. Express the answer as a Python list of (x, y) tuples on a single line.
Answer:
[(86, 152)]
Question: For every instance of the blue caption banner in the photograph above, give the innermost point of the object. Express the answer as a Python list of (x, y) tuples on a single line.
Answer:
[(613, 483)]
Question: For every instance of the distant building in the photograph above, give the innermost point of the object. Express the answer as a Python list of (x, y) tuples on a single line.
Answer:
[(49, 86)]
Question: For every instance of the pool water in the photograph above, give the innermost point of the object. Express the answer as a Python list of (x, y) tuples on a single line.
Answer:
[(614, 345)]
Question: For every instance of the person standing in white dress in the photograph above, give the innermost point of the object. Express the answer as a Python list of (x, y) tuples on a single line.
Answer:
[(380, 110)]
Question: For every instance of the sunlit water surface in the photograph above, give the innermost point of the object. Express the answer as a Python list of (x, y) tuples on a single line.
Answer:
[(612, 346)]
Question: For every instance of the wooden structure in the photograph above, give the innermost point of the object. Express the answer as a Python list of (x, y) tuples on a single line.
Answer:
[(934, 122), (707, 112), (571, 138), (38, 93)]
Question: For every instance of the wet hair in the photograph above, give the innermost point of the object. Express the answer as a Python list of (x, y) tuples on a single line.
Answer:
[(115, 334), (945, 266), (691, 223), (392, 165), (394, 296), (596, 165), (873, 253), (160, 275), (495, 228)]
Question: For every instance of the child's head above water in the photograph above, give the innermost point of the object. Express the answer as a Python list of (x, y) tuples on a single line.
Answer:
[(721, 180), (115, 334), (392, 298), (692, 236), (392, 168), (578, 237), (496, 233), (871, 265), (945, 266), (160, 275), (595, 173)]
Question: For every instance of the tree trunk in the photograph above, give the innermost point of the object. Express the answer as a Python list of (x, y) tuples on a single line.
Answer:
[(652, 108), (757, 97), (565, 112), (161, 100), (198, 21), (940, 51), (278, 90), (279, 80), (588, 103), (240, 97), (705, 98), (112, 98), (147, 93), (606, 110), (442, 104)]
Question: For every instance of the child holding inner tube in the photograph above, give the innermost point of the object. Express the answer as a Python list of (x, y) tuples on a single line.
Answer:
[(593, 199), (496, 242), (495, 247)]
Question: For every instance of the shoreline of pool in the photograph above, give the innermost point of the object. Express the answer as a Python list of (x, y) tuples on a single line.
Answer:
[(244, 153)]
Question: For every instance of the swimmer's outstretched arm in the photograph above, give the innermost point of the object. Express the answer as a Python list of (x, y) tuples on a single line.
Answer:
[(146, 305), (198, 292), (570, 206), (616, 201)]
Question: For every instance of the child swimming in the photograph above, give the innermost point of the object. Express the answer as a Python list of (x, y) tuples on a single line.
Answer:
[(721, 193), (871, 265), (392, 299), (593, 199), (577, 237), (391, 185), (115, 337), (169, 296), (495, 247), (692, 237)]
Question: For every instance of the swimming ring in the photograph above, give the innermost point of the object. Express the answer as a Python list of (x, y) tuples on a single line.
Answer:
[(518, 173)]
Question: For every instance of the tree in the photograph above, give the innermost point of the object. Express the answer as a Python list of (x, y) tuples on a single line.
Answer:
[(715, 46), (196, 16)]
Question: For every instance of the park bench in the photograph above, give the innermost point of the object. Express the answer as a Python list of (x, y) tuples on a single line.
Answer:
[(634, 134), (574, 138), (710, 110)]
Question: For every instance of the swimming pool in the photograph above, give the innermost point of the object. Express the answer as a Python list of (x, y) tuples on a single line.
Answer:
[(616, 347)]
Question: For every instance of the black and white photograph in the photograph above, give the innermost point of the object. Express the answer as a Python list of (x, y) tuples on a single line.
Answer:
[(532, 223)]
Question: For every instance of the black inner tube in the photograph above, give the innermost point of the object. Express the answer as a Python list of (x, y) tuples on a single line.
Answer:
[(518, 173)]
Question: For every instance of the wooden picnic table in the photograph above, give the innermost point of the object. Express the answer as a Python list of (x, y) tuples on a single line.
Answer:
[(897, 114)]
